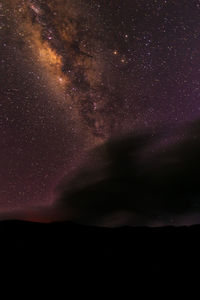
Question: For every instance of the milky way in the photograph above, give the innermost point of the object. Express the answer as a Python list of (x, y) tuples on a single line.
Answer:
[(76, 73), (71, 54)]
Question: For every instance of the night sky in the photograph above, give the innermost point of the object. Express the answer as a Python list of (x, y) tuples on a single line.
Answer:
[(76, 74)]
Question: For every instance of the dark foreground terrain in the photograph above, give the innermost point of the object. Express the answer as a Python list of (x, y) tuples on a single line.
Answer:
[(76, 251)]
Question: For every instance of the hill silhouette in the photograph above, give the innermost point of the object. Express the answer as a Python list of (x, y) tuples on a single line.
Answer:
[(67, 249)]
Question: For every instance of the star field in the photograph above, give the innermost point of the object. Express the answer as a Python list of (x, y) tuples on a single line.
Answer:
[(76, 73)]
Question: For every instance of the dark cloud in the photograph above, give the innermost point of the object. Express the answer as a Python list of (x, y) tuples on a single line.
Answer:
[(134, 176)]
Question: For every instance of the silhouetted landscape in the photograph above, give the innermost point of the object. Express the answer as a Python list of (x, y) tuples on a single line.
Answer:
[(71, 249)]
